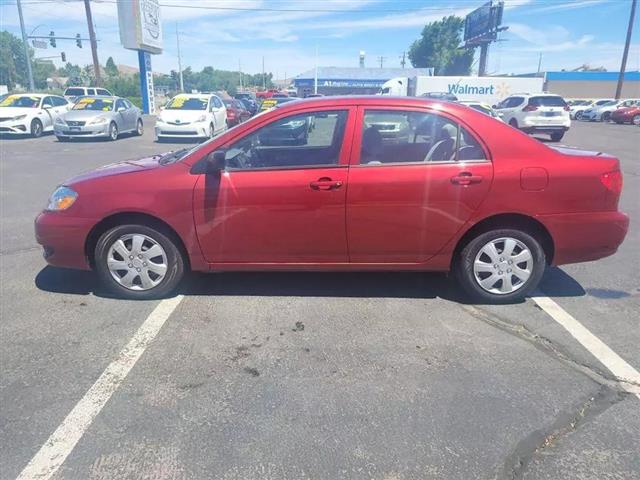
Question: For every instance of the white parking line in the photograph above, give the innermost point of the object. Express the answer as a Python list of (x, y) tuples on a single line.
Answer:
[(60, 444), (610, 359)]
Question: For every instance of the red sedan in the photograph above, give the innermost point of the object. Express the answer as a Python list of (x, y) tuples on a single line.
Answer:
[(378, 183), (627, 115), (236, 112)]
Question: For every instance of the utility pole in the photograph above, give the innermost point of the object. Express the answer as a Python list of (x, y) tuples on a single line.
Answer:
[(264, 81), (240, 74), (625, 54), (403, 60), (315, 74), (382, 59), (94, 44), (27, 59), (540, 62), (482, 66), (179, 60)]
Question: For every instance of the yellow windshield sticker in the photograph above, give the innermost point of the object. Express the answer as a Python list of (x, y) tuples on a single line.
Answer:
[(87, 100), (266, 104), (9, 100), (177, 102)]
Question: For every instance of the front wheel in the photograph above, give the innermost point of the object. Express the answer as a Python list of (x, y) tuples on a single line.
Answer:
[(139, 128), (138, 262), (36, 128), (113, 131), (557, 136), (636, 120), (578, 115), (500, 266), (606, 116)]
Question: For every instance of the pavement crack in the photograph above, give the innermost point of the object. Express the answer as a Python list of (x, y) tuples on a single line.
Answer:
[(550, 348), (565, 423)]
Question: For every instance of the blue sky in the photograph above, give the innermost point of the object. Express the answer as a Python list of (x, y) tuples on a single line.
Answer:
[(568, 33)]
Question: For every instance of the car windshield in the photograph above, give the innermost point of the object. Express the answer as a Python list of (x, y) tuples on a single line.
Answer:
[(187, 103), (98, 104), (548, 101), (20, 101)]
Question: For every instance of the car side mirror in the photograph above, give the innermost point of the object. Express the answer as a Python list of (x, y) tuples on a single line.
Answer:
[(214, 162)]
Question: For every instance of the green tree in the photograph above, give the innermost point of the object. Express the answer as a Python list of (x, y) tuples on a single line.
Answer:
[(110, 68), (13, 63), (438, 48), (42, 70)]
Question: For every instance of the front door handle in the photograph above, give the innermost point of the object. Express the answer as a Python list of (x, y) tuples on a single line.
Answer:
[(466, 178), (325, 183)]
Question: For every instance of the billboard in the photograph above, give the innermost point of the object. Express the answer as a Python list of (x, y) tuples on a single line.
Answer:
[(482, 24), (140, 25)]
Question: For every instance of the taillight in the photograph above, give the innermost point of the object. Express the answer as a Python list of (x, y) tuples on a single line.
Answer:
[(612, 181), (530, 108)]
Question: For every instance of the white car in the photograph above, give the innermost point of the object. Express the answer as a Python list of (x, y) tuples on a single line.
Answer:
[(602, 113), (481, 107), (31, 113), (578, 108), (536, 113), (74, 93), (192, 116)]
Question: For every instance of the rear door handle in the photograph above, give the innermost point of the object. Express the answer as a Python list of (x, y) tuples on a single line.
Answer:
[(325, 183), (466, 178)]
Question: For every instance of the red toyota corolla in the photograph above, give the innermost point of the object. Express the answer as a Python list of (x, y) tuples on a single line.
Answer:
[(351, 183)]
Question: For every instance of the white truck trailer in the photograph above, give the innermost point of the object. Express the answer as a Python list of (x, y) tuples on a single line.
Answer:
[(488, 90)]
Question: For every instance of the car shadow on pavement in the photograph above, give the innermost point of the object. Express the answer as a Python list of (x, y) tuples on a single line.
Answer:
[(555, 283)]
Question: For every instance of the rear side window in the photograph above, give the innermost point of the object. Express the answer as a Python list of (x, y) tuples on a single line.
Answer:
[(91, 91), (394, 136), (547, 101), (102, 91)]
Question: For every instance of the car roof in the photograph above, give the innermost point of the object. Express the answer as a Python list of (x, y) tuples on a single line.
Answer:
[(39, 95), (196, 95)]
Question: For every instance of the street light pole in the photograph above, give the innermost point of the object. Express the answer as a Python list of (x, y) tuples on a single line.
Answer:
[(179, 59), (625, 53), (94, 44), (26, 47)]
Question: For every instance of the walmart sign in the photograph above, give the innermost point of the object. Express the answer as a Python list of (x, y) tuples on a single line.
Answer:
[(485, 89)]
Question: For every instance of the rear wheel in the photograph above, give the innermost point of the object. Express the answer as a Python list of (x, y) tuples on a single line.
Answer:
[(63, 139), (636, 120), (513, 122), (138, 262), (606, 116), (500, 266), (36, 128), (113, 131), (139, 127), (557, 136)]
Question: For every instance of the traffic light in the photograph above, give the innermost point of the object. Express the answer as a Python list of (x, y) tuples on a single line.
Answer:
[(78, 41), (63, 56), (52, 39)]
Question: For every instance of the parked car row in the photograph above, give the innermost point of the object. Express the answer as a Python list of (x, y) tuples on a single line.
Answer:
[(606, 110)]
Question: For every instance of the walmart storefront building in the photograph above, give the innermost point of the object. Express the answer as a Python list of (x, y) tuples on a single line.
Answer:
[(351, 81)]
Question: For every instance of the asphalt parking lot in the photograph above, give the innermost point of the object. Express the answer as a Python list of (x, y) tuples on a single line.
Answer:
[(319, 376)]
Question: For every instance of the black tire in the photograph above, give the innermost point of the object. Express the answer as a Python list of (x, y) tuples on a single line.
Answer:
[(636, 120), (606, 117), (63, 139), (175, 262), (464, 274), (513, 122), (36, 128), (212, 131), (579, 115), (557, 136), (139, 128), (113, 132)]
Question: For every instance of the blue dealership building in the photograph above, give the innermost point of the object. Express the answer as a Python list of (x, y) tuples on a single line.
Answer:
[(350, 81)]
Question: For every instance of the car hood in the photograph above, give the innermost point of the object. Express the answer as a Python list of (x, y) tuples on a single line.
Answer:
[(120, 168), (84, 115), (15, 111), (182, 116)]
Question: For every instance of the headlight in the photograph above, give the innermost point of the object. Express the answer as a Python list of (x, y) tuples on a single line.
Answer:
[(98, 120), (19, 117), (201, 118), (60, 121), (61, 199)]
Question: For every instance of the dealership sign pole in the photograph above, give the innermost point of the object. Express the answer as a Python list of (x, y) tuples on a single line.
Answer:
[(141, 30), (481, 28)]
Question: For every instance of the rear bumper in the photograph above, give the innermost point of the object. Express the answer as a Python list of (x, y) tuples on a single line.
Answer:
[(582, 237), (63, 239)]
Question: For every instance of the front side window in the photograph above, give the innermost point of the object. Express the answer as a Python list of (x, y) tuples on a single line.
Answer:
[(120, 104), (47, 102), (305, 140), (59, 101), (91, 91), (394, 136)]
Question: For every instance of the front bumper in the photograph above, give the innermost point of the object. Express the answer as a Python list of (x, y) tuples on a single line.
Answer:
[(583, 237), (18, 127), (63, 239), (189, 130), (85, 131)]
